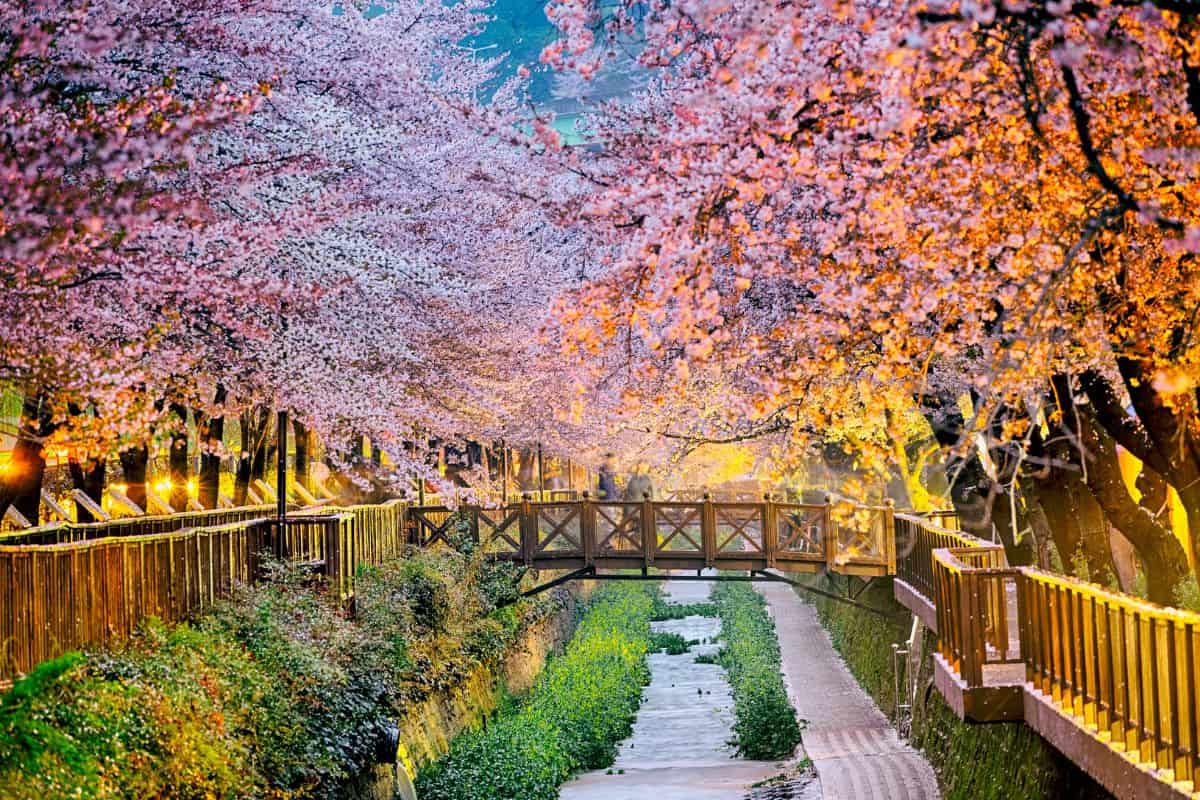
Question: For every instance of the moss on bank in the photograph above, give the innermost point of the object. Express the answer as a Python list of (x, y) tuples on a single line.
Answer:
[(976, 762)]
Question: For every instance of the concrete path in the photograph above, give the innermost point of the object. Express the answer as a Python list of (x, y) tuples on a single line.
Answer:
[(679, 748), (856, 752)]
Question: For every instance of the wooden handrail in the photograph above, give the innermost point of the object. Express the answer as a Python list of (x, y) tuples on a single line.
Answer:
[(1125, 668)]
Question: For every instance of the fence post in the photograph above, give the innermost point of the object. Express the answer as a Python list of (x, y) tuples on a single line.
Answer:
[(889, 535), (649, 531), (970, 629), (829, 531), (528, 529), (331, 534), (770, 532), (587, 528), (708, 529)]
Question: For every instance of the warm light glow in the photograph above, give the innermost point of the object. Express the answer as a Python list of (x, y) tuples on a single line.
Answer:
[(119, 487), (191, 487), (163, 486)]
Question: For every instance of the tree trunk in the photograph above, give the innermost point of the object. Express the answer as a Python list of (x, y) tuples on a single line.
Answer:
[(209, 482), (88, 478), (134, 463), (983, 506), (1157, 436), (210, 430), (21, 482), (303, 469), (252, 461), (1163, 558), (178, 461)]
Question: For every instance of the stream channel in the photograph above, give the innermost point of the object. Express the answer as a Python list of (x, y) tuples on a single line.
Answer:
[(680, 747)]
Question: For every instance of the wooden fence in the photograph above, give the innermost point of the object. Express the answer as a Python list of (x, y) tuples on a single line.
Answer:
[(976, 620), (1125, 669), (64, 532), (90, 591), (916, 539), (1110, 680)]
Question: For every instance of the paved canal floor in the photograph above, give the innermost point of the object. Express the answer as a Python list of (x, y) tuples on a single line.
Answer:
[(680, 747)]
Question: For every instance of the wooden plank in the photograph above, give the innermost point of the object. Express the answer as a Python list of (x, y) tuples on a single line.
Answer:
[(81, 499), (121, 499), (16, 518), (55, 509), (155, 502)]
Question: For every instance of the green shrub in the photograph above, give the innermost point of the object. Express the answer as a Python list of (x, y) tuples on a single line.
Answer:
[(583, 704), (765, 725), (671, 643), (666, 611), (274, 693)]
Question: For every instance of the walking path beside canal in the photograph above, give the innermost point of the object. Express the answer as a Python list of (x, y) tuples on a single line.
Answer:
[(857, 753)]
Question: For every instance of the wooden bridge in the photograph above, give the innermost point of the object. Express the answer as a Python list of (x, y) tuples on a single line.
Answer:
[(1108, 679), (674, 535)]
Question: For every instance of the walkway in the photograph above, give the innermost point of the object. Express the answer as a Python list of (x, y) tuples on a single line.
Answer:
[(679, 748), (856, 752)]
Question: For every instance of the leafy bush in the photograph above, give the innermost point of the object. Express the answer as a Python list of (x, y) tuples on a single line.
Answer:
[(582, 705), (671, 643), (274, 693), (665, 611), (766, 726)]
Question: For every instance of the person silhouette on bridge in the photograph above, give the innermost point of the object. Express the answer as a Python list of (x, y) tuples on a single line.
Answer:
[(607, 490), (639, 486)]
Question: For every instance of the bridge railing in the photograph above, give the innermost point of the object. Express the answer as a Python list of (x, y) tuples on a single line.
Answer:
[(673, 533), (66, 532), (977, 614), (917, 537)]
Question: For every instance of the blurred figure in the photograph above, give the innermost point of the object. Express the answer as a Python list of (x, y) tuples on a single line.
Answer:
[(607, 489), (639, 485)]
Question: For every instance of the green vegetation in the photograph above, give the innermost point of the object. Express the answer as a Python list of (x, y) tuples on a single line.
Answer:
[(973, 762), (665, 611), (275, 693), (582, 705), (671, 643), (766, 726)]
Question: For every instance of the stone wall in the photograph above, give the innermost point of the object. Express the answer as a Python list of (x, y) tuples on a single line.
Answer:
[(427, 728)]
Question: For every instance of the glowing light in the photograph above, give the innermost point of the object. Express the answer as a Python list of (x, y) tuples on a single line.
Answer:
[(191, 487), (163, 486), (119, 487)]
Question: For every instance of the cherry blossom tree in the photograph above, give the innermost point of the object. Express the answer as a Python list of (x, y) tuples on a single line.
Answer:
[(990, 200)]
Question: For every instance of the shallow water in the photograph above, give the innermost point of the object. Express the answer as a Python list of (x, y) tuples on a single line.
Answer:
[(680, 747)]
